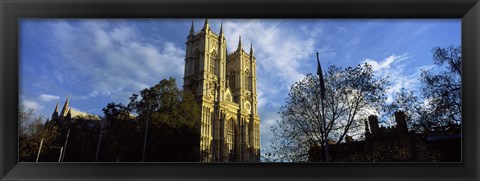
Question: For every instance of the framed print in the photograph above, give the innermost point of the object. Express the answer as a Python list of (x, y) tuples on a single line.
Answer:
[(382, 90)]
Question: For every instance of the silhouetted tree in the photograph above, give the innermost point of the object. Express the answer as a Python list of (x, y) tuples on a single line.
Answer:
[(442, 90), (82, 139), (174, 117), (439, 101), (121, 139), (31, 130), (416, 110)]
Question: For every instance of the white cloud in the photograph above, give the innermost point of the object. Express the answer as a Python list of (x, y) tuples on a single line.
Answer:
[(48, 97), (352, 42), (29, 104), (394, 67), (282, 55), (385, 64), (111, 59), (279, 55)]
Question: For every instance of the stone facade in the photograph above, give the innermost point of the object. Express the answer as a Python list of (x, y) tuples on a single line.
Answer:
[(224, 85)]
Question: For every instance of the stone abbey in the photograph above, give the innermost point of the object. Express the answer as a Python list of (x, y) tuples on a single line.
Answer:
[(224, 84)]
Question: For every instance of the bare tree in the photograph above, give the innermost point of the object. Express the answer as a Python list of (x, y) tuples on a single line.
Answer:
[(31, 130), (351, 94), (438, 103), (443, 89)]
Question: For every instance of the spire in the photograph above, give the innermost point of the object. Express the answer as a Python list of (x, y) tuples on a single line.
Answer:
[(221, 28), (251, 49), (65, 108), (56, 108), (205, 25), (55, 112), (240, 42), (191, 29), (69, 114)]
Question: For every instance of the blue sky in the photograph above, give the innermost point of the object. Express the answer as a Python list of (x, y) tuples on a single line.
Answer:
[(95, 62)]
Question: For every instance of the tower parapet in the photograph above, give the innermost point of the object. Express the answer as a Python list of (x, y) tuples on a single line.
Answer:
[(401, 120), (373, 121)]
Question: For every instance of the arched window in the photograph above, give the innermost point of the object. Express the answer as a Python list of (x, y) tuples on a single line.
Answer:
[(230, 134), (213, 58)]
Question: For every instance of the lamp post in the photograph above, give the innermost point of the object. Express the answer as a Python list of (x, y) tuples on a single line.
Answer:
[(99, 139), (146, 130), (61, 152), (216, 116), (64, 148), (39, 149)]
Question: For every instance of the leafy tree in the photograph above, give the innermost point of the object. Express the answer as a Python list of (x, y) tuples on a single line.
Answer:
[(121, 135), (174, 119), (82, 139), (351, 95)]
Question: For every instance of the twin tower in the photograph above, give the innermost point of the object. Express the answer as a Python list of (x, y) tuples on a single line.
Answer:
[(224, 84)]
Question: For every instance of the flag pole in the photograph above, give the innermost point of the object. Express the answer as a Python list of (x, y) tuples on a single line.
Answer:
[(322, 97)]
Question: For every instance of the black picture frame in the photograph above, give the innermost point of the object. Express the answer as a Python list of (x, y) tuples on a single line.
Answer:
[(12, 10)]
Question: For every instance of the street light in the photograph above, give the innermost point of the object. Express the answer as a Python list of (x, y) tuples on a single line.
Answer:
[(65, 146), (102, 124), (39, 149), (146, 129)]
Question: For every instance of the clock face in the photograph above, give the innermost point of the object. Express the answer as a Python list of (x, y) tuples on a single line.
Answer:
[(248, 107)]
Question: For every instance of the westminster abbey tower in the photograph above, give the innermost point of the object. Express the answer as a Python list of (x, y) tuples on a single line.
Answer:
[(224, 84)]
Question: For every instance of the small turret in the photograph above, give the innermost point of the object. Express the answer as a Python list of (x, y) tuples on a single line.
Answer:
[(69, 115), (192, 31), (221, 29), (64, 109), (240, 42), (401, 120), (367, 130), (55, 113), (205, 25), (251, 51), (373, 121)]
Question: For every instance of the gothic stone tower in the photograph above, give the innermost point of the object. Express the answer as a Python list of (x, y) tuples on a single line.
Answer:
[(224, 84)]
